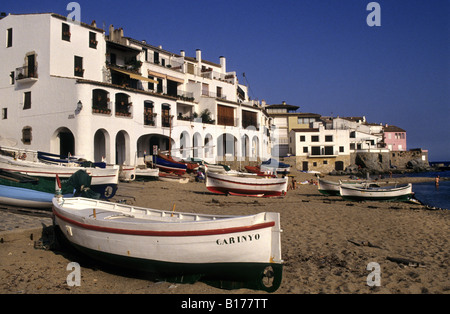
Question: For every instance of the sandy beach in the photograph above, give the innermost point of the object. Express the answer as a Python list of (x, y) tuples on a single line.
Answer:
[(327, 244)]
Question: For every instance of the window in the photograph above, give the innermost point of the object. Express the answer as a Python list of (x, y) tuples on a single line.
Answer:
[(205, 89), (100, 101), (315, 150), (11, 80), (302, 138), (148, 113), (305, 149), (328, 138), (325, 162), (145, 51), (156, 57), (329, 150), (219, 92), (78, 66), (305, 120), (314, 138), (65, 32), (5, 113), (341, 149), (9, 38), (93, 40), (26, 100), (26, 135), (352, 134), (151, 86), (165, 111)]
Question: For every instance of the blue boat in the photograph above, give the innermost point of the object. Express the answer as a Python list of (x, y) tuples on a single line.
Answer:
[(274, 165), (167, 164)]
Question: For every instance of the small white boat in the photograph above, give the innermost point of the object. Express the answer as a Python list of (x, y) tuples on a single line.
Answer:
[(185, 245), (246, 184), (126, 173), (400, 193), (147, 173)]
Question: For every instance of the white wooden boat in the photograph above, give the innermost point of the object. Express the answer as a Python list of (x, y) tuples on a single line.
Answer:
[(103, 180), (147, 173), (127, 173), (185, 245), (329, 188), (400, 193), (246, 184), (332, 188)]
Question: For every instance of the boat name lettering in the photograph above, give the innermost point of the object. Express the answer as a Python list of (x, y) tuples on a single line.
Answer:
[(239, 239)]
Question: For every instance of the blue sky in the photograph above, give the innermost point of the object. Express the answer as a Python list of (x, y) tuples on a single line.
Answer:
[(317, 54)]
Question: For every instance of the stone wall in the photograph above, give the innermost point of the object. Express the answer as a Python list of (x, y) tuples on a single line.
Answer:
[(400, 159)]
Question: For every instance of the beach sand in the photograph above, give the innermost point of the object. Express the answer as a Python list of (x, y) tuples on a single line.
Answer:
[(327, 245)]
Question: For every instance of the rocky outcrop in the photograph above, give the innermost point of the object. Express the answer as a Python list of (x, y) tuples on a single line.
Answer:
[(418, 165)]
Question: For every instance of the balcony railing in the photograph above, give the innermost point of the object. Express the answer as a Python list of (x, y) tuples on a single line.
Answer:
[(150, 118), (101, 107), (124, 109), (26, 72)]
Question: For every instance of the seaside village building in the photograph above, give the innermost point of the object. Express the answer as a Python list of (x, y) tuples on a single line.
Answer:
[(323, 143), (67, 87)]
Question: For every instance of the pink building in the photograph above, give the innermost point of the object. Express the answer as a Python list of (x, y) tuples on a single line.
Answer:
[(394, 138)]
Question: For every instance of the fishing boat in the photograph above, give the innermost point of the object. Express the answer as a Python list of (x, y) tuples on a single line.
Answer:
[(395, 193), (329, 188), (171, 244), (145, 173), (126, 173), (245, 184), (25, 191), (172, 177), (275, 166), (17, 189), (61, 159), (104, 180), (168, 164)]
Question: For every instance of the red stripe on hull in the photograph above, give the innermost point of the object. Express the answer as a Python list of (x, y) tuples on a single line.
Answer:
[(187, 233)]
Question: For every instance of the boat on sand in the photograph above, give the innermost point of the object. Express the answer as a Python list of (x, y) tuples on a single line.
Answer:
[(184, 247)]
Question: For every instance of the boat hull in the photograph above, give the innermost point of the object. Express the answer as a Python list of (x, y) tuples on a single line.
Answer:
[(246, 185), (17, 196), (103, 180), (201, 248), (147, 173), (376, 194), (169, 166), (328, 188)]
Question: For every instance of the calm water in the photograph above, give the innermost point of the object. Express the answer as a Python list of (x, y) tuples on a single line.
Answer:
[(427, 192)]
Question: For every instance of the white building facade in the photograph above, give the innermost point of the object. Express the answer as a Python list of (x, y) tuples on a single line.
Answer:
[(69, 88)]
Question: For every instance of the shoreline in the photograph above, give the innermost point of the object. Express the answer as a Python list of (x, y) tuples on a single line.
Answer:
[(327, 244)]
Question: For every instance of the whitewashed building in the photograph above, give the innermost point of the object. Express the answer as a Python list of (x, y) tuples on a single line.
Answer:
[(68, 87)]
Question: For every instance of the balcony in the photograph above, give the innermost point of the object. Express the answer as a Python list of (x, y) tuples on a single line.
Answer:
[(150, 118), (101, 108), (26, 74)]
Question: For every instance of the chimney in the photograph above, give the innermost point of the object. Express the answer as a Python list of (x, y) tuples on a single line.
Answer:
[(182, 53), (198, 55), (111, 32), (223, 64), (94, 24)]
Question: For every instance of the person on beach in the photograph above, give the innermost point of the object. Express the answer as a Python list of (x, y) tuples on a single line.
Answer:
[(437, 182)]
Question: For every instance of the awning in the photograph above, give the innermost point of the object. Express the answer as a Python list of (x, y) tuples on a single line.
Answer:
[(160, 75), (134, 75)]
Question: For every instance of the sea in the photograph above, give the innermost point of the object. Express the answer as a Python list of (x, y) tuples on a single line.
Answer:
[(430, 194)]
